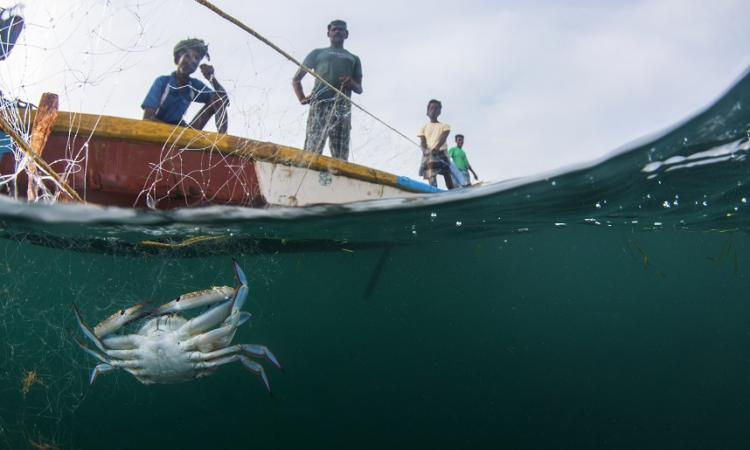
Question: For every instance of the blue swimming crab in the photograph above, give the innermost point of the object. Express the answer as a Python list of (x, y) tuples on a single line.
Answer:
[(168, 348)]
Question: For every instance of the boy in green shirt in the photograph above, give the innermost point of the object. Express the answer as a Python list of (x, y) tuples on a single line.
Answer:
[(458, 155)]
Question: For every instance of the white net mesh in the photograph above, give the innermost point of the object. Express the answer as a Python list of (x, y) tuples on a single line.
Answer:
[(101, 57)]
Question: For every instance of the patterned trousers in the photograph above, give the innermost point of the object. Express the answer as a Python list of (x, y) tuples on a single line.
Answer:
[(329, 120)]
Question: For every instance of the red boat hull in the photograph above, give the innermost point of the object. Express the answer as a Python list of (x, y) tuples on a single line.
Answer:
[(124, 173)]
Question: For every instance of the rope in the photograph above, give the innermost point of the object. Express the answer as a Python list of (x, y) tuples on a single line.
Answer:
[(257, 35), (183, 244), (26, 149)]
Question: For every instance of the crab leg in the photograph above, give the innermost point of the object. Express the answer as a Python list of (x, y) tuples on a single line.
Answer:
[(195, 300), (236, 318), (212, 339), (125, 364), (110, 357), (124, 355), (213, 317), (207, 320), (247, 363), (87, 331), (258, 351), (244, 317), (100, 356), (101, 369), (119, 319), (217, 314), (242, 289), (221, 313), (122, 342)]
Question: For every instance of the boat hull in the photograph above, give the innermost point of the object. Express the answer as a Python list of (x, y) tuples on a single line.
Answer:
[(131, 163), (136, 174)]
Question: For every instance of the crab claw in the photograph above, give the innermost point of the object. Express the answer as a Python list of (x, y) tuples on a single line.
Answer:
[(194, 300), (239, 274), (121, 318)]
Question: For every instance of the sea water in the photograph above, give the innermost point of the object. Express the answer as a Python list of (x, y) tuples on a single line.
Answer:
[(603, 306)]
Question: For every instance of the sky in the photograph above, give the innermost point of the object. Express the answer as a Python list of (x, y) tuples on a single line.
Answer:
[(534, 86)]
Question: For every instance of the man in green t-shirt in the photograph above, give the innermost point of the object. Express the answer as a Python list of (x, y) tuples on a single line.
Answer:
[(458, 155), (330, 115)]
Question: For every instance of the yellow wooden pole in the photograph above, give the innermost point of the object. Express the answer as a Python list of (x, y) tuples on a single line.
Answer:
[(40, 130), (42, 164)]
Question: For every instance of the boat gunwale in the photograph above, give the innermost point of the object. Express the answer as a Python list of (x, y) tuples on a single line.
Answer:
[(167, 135)]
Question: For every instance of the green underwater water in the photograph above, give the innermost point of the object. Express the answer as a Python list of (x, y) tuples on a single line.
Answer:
[(601, 307), (573, 338)]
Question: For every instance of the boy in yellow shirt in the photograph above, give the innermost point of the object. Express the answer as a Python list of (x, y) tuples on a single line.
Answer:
[(433, 140)]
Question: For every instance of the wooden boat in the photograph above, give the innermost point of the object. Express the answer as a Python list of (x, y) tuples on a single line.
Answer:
[(133, 163)]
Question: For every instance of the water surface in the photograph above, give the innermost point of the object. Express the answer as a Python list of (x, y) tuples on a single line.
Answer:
[(603, 306)]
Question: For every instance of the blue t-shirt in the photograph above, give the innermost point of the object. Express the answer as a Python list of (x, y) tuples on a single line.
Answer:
[(171, 101), (6, 145)]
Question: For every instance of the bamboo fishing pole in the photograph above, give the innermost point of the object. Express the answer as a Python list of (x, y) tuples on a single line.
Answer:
[(286, 55), (375, 277)]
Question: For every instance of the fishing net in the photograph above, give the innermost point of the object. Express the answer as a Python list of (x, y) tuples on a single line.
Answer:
[(43, 374), (101, 58)]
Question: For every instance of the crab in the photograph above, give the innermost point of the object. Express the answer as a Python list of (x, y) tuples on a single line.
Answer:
[(168, 348)]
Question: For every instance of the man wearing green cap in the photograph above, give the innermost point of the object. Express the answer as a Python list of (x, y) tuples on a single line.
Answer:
[(171, 95), (330, 116)]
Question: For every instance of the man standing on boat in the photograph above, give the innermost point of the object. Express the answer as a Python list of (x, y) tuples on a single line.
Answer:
[(330, 114), (171, 95)]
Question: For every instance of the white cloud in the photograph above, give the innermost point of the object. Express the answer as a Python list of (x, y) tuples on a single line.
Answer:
[(532, 86)]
